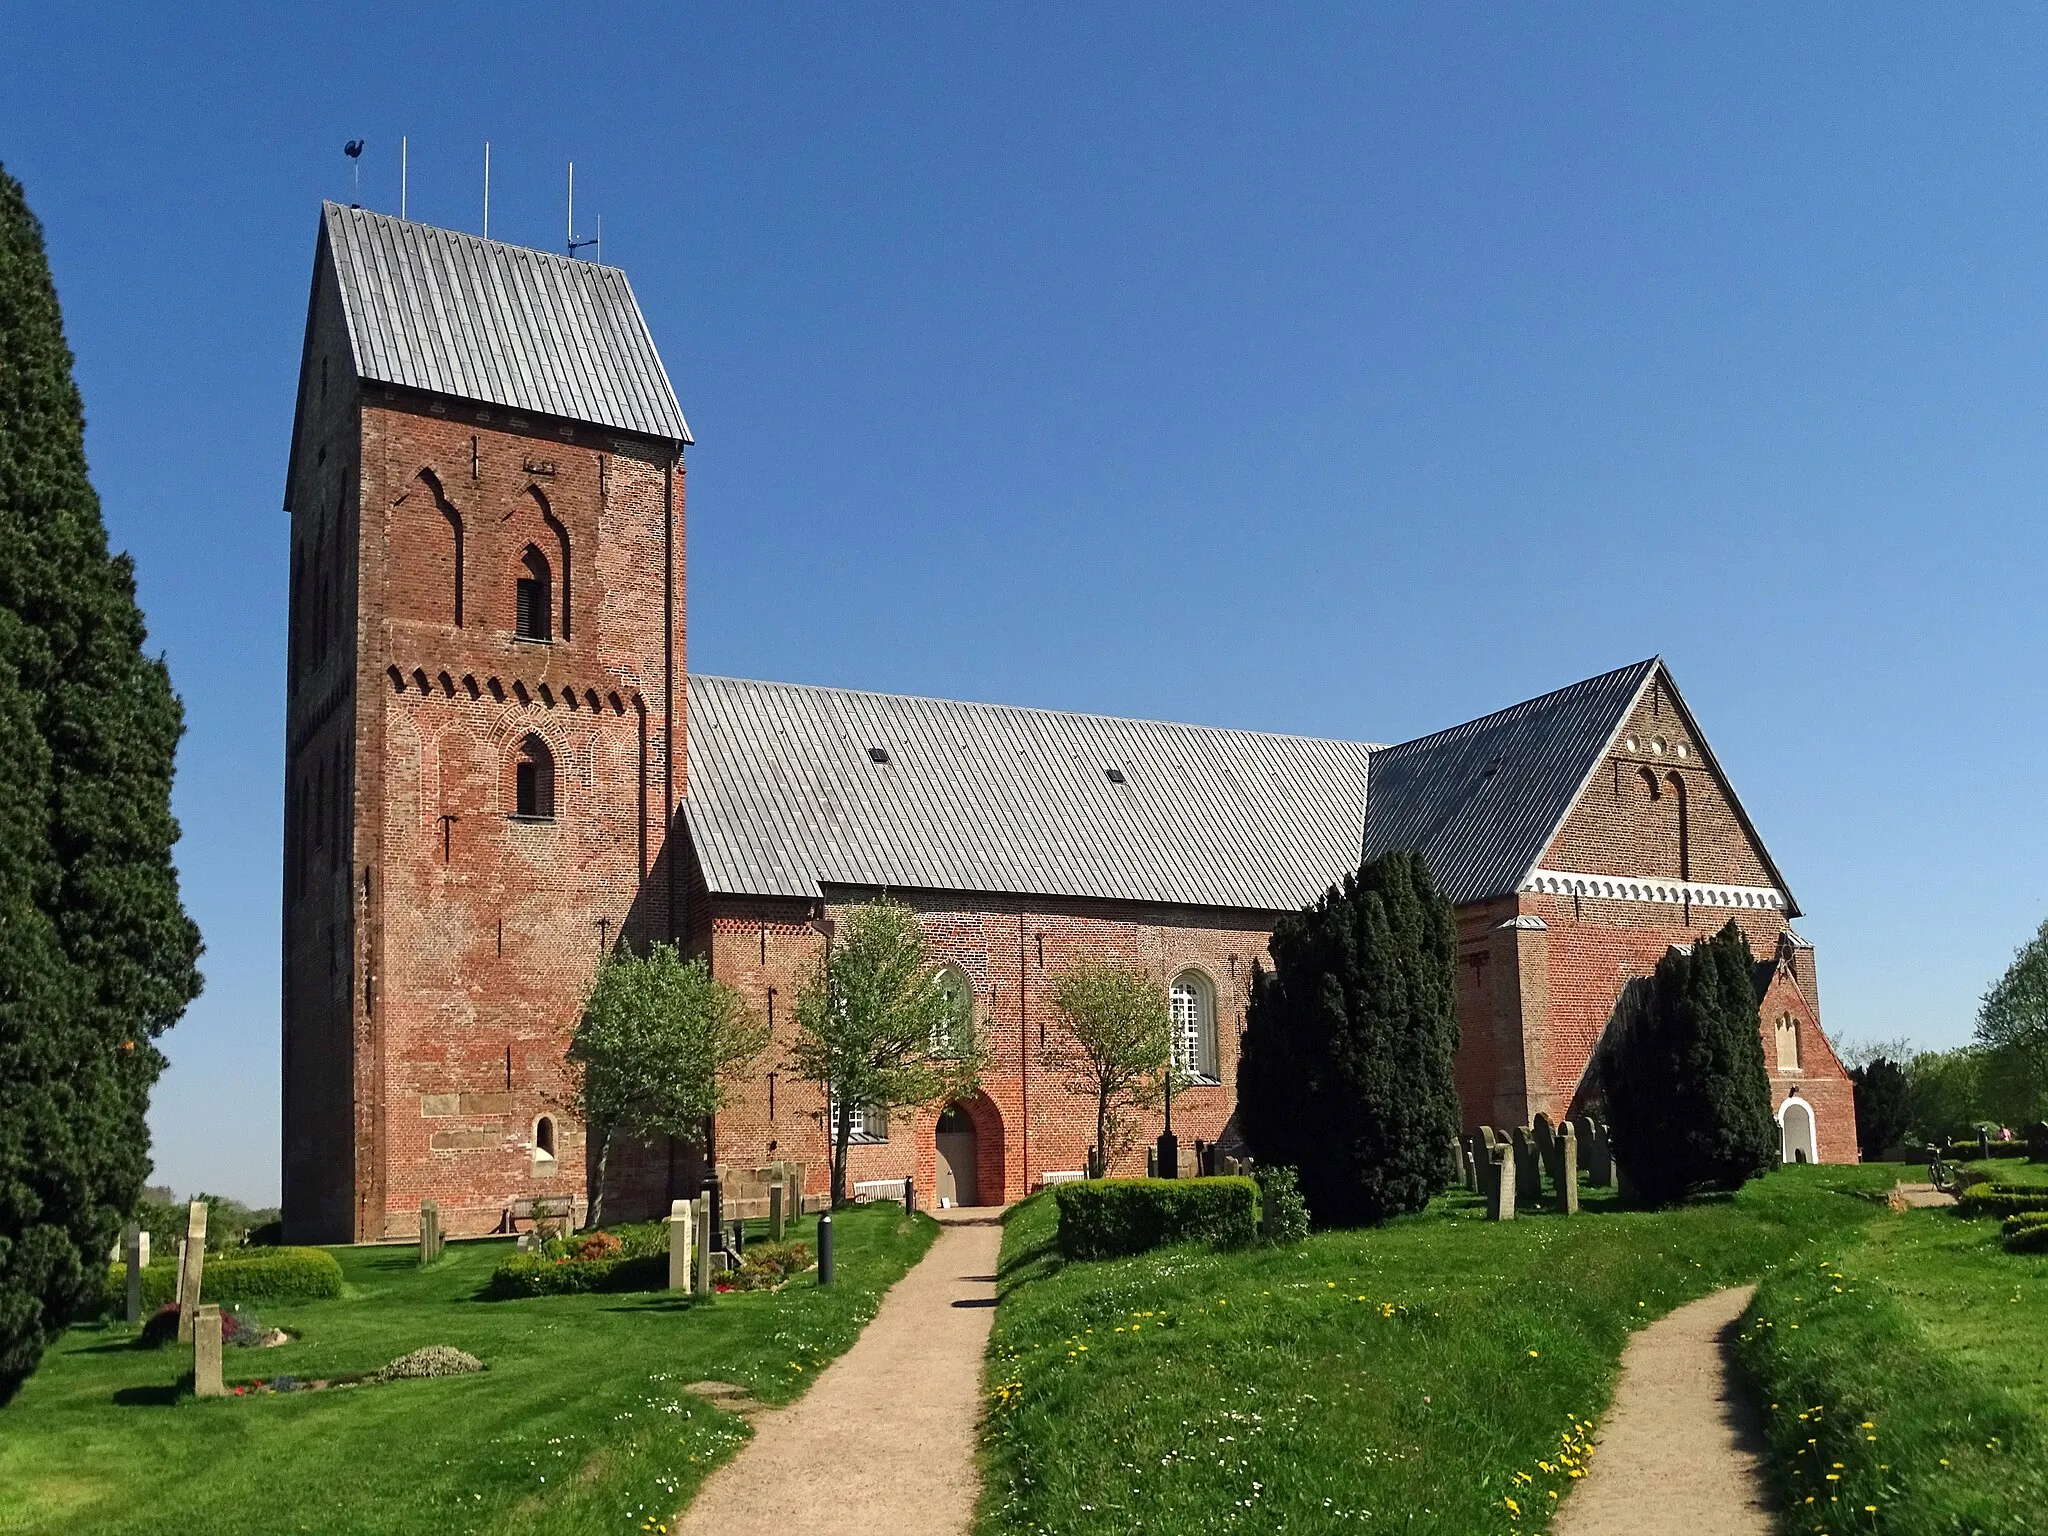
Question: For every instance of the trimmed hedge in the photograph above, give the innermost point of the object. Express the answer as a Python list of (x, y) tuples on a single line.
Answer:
[(533, 1274), (2029, 1238), (268, 1274), (1112, 1218), (2002, 1199)]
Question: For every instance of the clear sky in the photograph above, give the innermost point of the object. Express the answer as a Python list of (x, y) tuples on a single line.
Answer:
[(1346, 370)]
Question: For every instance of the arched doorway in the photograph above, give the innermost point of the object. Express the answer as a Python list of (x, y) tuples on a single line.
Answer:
[(969, 1146), (1795, 1122), (958, 1184)]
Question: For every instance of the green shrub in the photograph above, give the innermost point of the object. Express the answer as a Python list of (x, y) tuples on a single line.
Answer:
[(1110, 1218), (2032, 1238), (2005, 1149), (1283, 1214), (2002, 1199), (767, 1265), (268, 1274), (535, 1274)]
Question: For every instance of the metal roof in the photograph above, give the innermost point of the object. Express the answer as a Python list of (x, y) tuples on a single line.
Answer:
[(785, 797), (449, 313), (1482, 800)]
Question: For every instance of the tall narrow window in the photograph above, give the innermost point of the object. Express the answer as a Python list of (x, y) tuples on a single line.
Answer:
[(534, 781), (1684, 827), (534, 621), (544, 1139), (1192, 1005)]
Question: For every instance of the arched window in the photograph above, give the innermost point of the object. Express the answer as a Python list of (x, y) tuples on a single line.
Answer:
[(534, 617), (544, 1140), (534, 781), (955, 1034), (1191, 1003)]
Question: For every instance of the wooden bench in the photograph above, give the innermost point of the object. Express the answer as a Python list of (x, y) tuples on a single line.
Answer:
[(537, 1209)]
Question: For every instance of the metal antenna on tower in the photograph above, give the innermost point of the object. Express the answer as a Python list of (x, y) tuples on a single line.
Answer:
[(354, 150), (401, 176), (576, 245), (487, 189)]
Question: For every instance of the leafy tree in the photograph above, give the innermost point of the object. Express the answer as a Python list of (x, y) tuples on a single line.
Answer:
[(1884, 1106), (1687, 1090), (878, 1027), (657, 1047), (2012, 1024), (1946, 1092), (1346, 1067), (100, 958), (1115, 1047)]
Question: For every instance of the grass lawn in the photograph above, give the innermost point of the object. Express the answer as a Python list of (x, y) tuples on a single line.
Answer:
[(1414, 1377), (581, 1423), (1912, 1365)]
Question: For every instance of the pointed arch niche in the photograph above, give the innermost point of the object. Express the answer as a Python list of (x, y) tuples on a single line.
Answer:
[(544, 555)]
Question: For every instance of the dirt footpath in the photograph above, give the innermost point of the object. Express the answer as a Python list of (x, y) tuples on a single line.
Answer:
[(884, 1440), (1679, 1451)]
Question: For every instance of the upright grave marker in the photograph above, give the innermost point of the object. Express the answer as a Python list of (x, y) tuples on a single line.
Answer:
[(430, 1232), (702, 1287), (1500, 1205), (1528, 1177), (679, 1245), (131, 1252), (191, 1266), (1568, 1169), (206, 1381), (777, 1222)]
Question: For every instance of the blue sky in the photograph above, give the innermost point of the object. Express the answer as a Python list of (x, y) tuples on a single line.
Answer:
[(1342, 370)]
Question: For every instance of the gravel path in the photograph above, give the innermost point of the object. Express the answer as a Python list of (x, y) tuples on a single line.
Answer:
[(884, 1440), (1678, 1452)]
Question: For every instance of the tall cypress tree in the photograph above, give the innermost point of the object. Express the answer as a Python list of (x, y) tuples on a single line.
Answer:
[(1350, 1045), (97, 956), (1688, 1094)]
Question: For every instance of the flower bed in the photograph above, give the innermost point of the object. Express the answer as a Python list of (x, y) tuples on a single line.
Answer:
[(767, 1267)]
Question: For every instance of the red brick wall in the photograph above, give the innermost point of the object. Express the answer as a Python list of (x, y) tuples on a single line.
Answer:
[(1010, 950), (476, 933)]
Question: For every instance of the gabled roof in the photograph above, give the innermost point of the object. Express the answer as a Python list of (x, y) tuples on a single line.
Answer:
[(1482, 800), (785, 798), (451, 314)]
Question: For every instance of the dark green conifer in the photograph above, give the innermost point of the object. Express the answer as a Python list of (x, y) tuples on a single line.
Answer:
[(1350, 1044), (1884, 1106), (1688, 1094), (97, 956)]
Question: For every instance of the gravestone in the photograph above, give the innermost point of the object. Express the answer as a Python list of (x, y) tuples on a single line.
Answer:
[(1486, 1166), (1151, 1162), (191, 1267), (679, 1245), (1600, 1158), (1528, 1180), (702, 1222), (1456, 1165), (1472, 1179), (1568, 1169), (430, 1232), (1545, 1136), (178, 1281), (1500, 1205), (206, 1380), (131, 1253), (777, 1220), (2037, 1142)]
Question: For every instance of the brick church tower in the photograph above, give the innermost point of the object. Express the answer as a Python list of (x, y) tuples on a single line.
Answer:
[(486, 676)]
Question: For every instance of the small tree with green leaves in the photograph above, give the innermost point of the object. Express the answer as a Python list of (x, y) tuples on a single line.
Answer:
[(878, 1027), (2012, 1027), (658, 1046), (1115, 1046), (1688, 1094)]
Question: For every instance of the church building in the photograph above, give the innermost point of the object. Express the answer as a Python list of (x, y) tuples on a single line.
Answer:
[(499, 766)]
